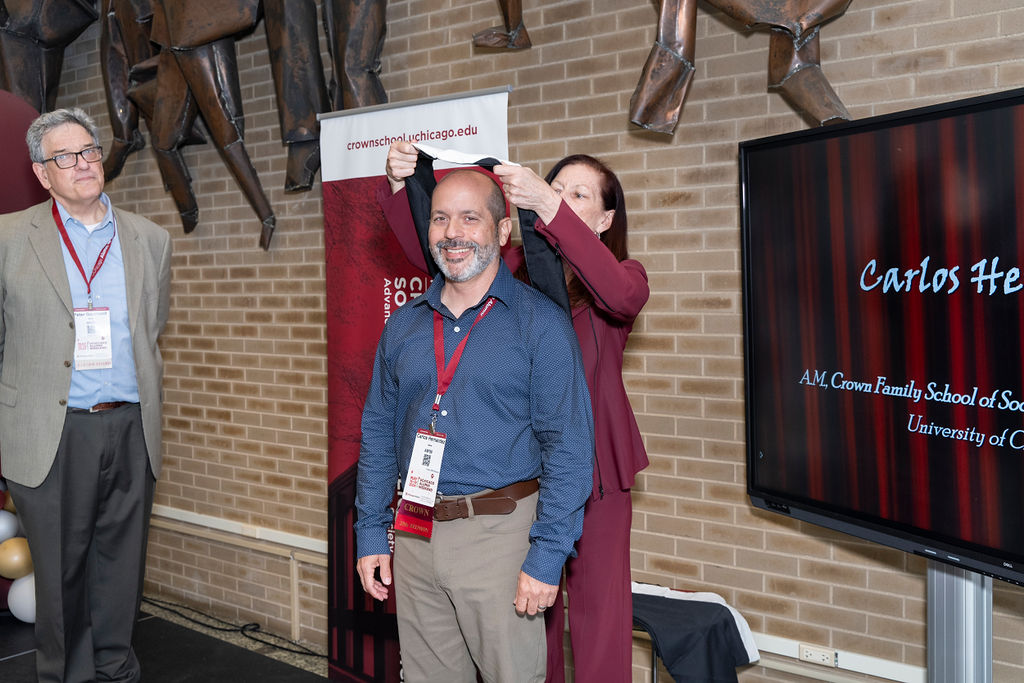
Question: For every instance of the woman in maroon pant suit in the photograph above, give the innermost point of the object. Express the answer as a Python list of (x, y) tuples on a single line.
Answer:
[(582, 214)]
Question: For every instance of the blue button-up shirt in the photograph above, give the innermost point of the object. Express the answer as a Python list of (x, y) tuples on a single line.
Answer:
[(89, 387), (518, 408)]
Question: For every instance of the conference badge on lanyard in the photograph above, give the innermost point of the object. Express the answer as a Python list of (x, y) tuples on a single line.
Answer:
[(416, 508), (93, 349)]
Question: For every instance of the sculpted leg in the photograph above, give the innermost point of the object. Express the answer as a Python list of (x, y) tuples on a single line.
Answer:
[(355, 34), (124, 115), (174, 112), (658, 98), (794, 69), (211, 72), (512, 35), (292, 38), (23, 72)]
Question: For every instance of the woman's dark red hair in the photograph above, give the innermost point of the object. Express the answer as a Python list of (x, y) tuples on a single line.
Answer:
[(613, 199)]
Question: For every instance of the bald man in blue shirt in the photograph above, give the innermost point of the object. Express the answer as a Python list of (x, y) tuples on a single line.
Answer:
[(517, 453)]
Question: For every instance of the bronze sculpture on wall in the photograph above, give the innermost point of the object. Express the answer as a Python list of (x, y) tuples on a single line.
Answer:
[(33, 34), (186, 67), (794, 64), (172, 61), (195, 71)]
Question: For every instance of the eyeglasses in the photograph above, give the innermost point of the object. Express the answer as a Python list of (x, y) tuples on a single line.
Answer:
[(70, 159)]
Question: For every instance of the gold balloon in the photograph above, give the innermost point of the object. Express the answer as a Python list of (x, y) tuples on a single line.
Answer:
[(9, 504), (15, 560)]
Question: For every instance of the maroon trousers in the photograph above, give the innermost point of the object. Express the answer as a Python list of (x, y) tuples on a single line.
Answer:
[(600, 597)]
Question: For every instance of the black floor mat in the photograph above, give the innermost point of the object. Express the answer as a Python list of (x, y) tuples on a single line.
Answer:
[(168, 653)]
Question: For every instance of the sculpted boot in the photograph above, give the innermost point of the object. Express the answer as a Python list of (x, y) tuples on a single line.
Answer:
[(501, 37), (303, 163), (511, 36), (794, 69), (659, 96)]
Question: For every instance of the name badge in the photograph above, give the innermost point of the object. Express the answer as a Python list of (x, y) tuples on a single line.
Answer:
[(93, 349), (416, 509)]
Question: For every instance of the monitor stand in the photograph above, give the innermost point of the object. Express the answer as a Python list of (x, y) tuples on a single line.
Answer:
[(959, 625)]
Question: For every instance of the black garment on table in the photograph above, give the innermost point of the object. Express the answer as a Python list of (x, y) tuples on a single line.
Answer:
[(543, 263), (697, 641)]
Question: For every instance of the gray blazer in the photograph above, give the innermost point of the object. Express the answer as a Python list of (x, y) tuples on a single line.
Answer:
[(37, 334)]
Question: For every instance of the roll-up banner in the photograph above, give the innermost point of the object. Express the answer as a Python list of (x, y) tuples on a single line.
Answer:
[(368, 277)]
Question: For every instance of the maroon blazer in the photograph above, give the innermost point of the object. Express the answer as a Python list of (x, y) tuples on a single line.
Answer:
[(619, 289)]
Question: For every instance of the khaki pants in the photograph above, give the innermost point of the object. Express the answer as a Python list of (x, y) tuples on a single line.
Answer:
[(455, 593)]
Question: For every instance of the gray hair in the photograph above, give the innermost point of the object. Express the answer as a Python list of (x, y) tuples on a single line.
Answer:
[(55, 119)]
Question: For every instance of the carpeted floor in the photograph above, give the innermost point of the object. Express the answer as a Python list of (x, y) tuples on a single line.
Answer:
[(173, 653)]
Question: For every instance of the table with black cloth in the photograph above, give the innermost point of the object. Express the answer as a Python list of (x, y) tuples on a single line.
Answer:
[(697, 639)]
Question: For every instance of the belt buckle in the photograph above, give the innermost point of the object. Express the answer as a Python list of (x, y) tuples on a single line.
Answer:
[(92, 409), (453, 508)]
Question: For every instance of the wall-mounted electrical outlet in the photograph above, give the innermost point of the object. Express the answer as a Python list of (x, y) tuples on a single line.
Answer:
[(817, 655)]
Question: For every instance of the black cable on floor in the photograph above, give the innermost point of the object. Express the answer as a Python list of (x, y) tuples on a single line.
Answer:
[(246, 630)]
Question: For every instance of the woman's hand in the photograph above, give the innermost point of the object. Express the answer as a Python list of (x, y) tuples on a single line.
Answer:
[(401, 163), (526, 190)]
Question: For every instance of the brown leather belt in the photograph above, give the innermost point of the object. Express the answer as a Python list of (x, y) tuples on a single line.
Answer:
[(498, 502), (99, 407)]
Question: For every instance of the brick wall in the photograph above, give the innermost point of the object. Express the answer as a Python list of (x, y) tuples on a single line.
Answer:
[(245, 433)]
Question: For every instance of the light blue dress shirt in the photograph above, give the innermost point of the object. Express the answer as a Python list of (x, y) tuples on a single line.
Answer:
[(89, 387)]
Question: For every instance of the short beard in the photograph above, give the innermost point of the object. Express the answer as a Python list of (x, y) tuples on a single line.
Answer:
[(482, 257)]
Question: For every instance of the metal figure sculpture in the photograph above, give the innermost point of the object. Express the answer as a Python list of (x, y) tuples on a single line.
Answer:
[(175, 59), (172, 59), (33, 34), (794, 64)]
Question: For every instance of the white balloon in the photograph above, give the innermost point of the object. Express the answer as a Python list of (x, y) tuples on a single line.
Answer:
[(8, 525), (21, 599)]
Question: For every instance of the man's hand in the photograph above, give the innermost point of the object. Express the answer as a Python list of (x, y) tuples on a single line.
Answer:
[(366, 566), (401, 163), (532, 596)]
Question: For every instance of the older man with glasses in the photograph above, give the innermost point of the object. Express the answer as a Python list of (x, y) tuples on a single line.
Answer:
[(84, 295)]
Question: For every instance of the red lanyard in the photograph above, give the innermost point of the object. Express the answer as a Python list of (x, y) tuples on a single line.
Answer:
[(74, 255), (446, 372)]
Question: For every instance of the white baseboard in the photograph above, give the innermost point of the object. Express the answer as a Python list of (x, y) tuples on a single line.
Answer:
[(847, 661), (246, 530)]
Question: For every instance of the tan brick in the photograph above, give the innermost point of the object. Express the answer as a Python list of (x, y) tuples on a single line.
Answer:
[(839, 574), (765, 603), (795, 588)]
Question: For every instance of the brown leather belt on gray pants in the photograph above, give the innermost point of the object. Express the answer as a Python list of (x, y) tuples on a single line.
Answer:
[(99, 407), (498, 502)]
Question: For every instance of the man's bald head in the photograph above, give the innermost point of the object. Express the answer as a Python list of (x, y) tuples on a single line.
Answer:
[(495, 198)]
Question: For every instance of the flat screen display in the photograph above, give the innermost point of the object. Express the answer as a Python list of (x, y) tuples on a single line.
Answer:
[(884, 329)]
